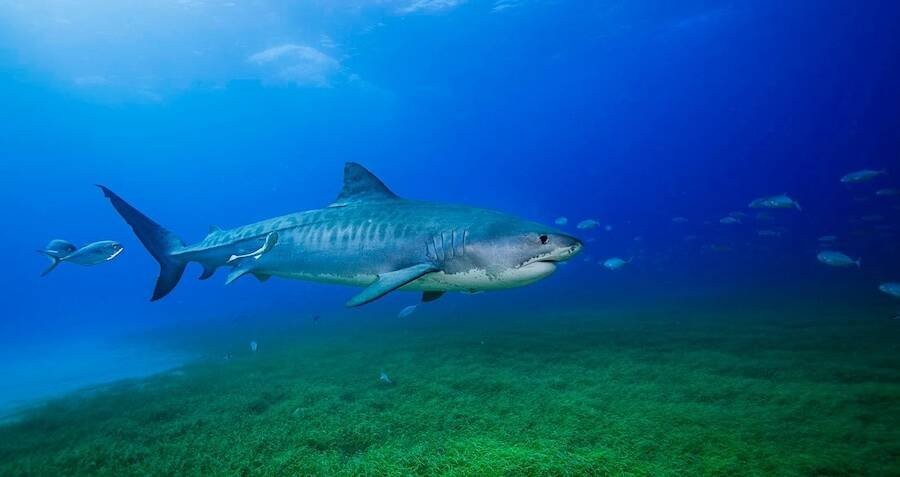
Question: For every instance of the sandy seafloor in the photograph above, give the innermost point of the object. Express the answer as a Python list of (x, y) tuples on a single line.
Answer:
[(693, 386)]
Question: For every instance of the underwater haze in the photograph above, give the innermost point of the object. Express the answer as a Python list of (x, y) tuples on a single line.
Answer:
[(730, 169)]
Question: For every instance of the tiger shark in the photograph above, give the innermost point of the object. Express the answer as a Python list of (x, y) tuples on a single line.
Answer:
[(368, 237)]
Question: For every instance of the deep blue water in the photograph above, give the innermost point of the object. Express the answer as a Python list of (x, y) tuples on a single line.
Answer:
[(631, 113)]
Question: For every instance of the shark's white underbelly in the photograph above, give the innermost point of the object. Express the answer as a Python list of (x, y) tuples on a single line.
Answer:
[(472, 280)]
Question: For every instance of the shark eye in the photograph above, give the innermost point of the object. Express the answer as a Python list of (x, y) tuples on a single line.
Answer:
[(544, 239)]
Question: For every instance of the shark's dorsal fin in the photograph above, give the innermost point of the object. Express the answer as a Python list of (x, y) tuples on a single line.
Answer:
[(213, 229), (361, 185)]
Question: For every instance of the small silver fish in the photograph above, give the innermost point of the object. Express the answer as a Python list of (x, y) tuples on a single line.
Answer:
[(59, 251), (561, 221), (836, 259), (615, 263), (406, 311), (864, 175), (587, 224), (891, 288), (775, 202), (384, 378), (729, 220), (254, 346)]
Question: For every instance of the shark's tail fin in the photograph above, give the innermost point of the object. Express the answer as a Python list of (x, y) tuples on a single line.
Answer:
[(54, 261), (159, 242)]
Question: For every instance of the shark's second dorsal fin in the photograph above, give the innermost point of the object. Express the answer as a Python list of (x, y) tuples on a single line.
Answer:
[(361, 185)]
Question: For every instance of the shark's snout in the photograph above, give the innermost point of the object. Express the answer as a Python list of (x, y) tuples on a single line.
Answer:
[(567, 247)]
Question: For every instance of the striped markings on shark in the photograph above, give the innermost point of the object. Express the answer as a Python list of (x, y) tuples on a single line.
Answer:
[(59, 251), (371, 238)]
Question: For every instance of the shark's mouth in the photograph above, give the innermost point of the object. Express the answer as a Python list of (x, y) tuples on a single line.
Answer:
[(553, 257)]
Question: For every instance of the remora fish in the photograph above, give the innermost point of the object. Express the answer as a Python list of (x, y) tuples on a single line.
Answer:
[(59, 251), (368, 237)]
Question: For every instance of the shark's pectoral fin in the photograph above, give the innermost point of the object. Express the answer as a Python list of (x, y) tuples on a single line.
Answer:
[(390, 281), (207, 272), (431, 296)]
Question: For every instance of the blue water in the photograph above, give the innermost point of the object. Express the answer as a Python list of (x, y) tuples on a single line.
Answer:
[(631, 113)]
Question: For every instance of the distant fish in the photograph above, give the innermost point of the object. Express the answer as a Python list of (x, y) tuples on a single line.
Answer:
[(775, 202), (406, 311), (891, 288), (679, 220), (615, 263), (561, 221), (836, 259), (828, 238), (384, 378), (254, 346), (608, 228), (729, 220), (887, 192), (588, 224), (768, 233), (864, 175), (738, 214), (59, 251)]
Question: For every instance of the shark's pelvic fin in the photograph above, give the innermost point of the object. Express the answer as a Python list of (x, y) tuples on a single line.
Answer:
[(361, 185), (237, 272), (431, 296), (390, 281), (271, 241), (244, 269)]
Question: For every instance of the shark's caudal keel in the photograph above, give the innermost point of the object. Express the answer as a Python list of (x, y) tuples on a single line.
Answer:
[(368, 237)]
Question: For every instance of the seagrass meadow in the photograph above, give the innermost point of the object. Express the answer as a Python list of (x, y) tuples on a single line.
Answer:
[(777, 388)]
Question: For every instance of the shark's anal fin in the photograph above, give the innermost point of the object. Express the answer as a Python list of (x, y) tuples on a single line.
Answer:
[(207, 272), (390, 281), (271, 241), (431, 296)]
